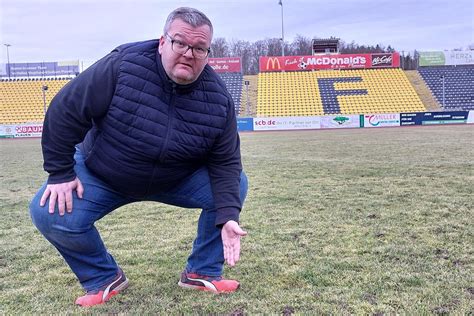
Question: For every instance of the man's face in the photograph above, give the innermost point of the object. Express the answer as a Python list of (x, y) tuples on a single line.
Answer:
[(184, 69)]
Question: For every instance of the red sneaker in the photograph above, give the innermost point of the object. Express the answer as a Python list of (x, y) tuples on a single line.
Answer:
[(207, 283), (105, 293)]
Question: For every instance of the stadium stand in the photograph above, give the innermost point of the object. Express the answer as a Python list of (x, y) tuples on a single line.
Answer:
[(313, 93), (458, 85), (325, 45), (21, 100), (249, 96), (233, 82), (423, 91)]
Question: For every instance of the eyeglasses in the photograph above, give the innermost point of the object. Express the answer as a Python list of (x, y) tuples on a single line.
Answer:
[(182, 48)]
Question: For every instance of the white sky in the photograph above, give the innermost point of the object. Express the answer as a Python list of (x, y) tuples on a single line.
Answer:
[(58, 30)]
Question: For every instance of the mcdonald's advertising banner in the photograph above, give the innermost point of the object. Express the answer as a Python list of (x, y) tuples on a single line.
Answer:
[(226, 64), (332, 61)]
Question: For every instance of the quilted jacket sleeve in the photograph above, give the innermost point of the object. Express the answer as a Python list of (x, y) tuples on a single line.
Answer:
[(225, 167), (71, 113)]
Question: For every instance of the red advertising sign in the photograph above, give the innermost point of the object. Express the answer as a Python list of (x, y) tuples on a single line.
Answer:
[(226, 64), (28, 130), (332, 61)]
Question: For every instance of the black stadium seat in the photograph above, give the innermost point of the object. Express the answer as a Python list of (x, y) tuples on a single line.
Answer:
[(458, 85), (233, 82)]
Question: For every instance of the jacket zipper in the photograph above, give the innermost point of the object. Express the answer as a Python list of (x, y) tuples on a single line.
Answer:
[(164, 149)]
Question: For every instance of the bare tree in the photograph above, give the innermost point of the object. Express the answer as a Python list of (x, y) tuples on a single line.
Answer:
[(250, 53), (242, 49), (219, 47), (273, 46), (301, 46), (259, 48)]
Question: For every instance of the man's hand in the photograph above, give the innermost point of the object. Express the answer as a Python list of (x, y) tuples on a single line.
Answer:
[(231, 233), (62, 194)]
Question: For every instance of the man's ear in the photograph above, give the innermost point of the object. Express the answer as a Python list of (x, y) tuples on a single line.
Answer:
[(162, 42)]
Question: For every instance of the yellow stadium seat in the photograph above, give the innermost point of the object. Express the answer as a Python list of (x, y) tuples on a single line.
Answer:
[(299, 93), (22, 101)]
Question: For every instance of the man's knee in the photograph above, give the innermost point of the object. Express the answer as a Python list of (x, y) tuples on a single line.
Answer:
[(48, 224), (39, 215)]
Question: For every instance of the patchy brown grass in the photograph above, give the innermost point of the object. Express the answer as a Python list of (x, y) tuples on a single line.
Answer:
[(349, 221)]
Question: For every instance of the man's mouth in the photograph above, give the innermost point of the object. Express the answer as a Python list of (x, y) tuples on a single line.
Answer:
[(187, 65)]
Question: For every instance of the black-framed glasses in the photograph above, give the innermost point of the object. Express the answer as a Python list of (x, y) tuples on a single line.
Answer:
[(182, 48)]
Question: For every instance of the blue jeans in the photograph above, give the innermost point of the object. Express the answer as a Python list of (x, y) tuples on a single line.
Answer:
[(79, 242)]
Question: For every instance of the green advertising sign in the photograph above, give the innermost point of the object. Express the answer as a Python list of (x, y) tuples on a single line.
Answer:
[(432, 59)]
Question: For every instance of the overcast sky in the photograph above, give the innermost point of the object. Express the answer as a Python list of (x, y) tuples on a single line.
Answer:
[(58, 30)]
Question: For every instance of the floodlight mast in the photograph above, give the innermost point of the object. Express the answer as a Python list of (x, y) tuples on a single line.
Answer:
[(280, 2), (8, 59)]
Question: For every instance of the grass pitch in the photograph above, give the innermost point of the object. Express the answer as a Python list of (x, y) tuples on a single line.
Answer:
[(365, 221)]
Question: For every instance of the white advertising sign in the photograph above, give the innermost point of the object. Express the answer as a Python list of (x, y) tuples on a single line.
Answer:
[(28, 130), (22, 130), (7, 131), (459, 57), (470, 117), (286, 123), (340, 121), (382, 120)]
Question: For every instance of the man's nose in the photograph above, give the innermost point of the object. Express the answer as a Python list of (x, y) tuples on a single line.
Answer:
[(189, 53)]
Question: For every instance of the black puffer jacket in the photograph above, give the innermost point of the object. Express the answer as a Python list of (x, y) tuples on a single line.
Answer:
[(143, 133)]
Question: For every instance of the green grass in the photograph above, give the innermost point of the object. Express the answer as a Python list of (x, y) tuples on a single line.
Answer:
[(362, 221)]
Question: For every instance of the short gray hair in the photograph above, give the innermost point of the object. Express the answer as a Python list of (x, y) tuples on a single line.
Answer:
[(191, 16)]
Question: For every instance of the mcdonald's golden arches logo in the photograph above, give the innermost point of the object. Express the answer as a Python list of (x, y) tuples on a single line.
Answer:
[(274, 61)]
